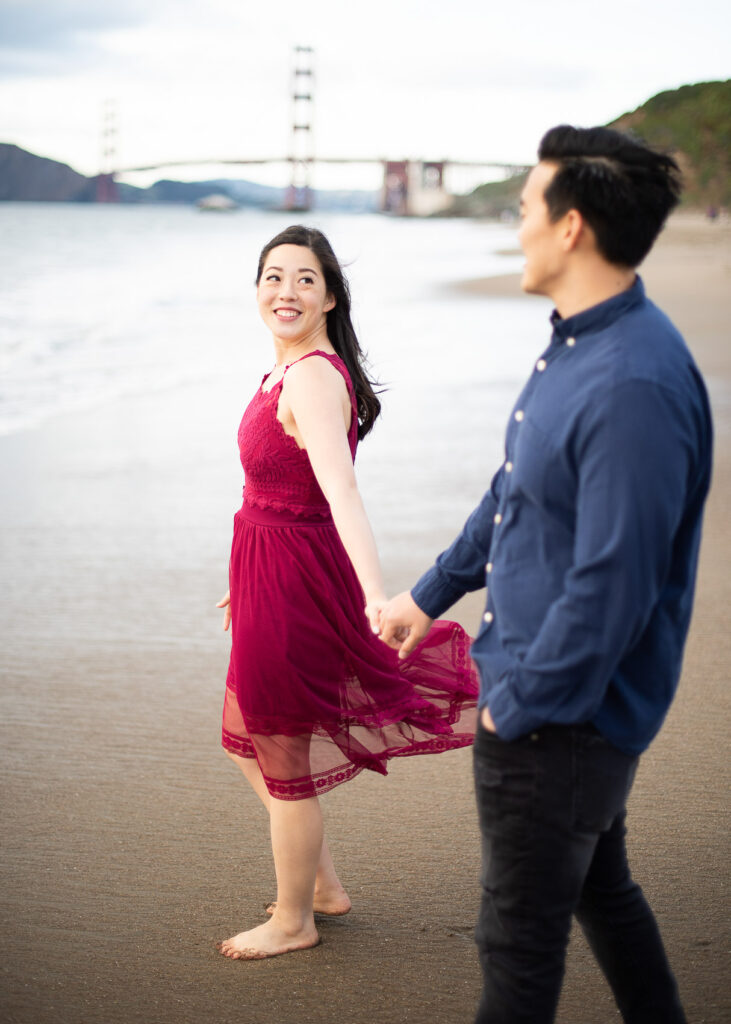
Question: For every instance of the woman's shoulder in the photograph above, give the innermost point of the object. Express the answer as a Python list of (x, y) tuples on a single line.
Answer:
[(318, 367)]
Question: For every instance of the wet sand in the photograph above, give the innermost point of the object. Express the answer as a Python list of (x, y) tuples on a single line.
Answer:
[(129, 843)]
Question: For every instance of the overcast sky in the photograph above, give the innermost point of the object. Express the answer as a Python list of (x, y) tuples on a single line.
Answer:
[(194, 79)]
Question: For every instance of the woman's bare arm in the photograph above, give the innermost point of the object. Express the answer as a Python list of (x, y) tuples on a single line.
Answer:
[(313, 392)]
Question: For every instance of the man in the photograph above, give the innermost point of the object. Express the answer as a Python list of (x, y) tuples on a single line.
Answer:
[(588, 543)]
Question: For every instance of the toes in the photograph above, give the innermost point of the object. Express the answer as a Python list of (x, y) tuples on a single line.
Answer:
[(232, 953)]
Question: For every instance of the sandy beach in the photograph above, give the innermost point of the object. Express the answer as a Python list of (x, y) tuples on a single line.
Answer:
[(130, 846)]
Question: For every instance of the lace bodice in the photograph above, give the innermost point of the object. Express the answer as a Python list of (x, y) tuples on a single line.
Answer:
[(277, 471)]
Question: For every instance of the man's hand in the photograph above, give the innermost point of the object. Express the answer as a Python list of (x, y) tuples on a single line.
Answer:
[(403, 624), (486, 719)]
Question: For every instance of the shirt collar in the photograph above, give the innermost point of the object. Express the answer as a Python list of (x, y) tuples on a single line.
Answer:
[(597, 317)]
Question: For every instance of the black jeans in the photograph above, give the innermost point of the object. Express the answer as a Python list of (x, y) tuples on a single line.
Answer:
[(552, 817)]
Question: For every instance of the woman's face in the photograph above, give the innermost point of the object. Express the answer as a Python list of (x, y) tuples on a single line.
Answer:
[(292, 295)]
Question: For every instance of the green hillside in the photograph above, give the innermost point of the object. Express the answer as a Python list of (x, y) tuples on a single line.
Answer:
[(493, 199), (692, 123)]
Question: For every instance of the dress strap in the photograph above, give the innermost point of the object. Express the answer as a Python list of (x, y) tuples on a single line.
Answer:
[(316, 352)]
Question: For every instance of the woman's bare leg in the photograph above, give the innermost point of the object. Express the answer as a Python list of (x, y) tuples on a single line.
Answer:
[(296, 827), (329, 897)]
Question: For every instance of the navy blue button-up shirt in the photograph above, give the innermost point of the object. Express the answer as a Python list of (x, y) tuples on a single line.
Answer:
[(588, 537)]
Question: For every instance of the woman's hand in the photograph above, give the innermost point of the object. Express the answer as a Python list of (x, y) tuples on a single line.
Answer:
[(374, 609), (225, 602)]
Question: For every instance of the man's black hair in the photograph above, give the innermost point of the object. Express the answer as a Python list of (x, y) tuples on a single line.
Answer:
[(622, 189)]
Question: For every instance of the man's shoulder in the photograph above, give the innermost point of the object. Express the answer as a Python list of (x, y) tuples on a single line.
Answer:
[(640, 366), (645, 345)]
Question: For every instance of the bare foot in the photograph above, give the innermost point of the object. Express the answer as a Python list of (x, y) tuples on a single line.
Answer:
[(268, 939), (331, 903)]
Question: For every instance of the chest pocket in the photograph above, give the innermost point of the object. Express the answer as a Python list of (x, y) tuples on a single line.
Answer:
[(542, 472)]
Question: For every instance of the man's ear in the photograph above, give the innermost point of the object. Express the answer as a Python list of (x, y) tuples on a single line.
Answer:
[(573, 229)]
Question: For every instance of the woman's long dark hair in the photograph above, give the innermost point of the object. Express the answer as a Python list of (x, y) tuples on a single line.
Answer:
[(340, 328)]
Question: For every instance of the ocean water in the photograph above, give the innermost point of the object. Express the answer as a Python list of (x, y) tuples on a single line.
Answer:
[(130, 344), (102, 301)]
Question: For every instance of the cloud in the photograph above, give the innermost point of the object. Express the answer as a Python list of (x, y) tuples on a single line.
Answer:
[(50, 37), (51, 24)]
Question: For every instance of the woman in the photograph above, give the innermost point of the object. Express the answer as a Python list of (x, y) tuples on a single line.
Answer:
[(312, 696)]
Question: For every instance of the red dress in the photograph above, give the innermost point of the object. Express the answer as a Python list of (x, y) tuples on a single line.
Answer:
[(311, 693)]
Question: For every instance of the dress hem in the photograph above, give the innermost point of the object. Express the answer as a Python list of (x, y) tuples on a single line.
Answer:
[(309, 786)]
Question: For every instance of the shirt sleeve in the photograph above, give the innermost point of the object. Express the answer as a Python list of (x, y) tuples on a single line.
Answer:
[(461, 568), (635, 458)]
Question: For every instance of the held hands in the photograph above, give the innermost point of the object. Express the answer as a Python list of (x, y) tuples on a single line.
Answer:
[(225, 602), (403, 624)]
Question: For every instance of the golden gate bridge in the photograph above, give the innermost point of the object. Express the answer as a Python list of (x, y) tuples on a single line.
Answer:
[(409, 186)]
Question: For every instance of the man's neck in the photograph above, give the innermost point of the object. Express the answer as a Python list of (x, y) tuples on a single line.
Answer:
[(588, 284)]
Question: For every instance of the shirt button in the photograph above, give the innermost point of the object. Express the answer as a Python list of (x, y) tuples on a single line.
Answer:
[(488, 567), (519, 415), (497, 518), (541, 365), (508, 467), (488, 617), (571, 342)]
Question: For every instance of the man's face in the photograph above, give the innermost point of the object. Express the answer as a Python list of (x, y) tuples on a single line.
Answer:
[(539, 238)]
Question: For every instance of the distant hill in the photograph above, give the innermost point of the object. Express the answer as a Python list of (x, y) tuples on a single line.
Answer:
[(25, 176), (245, 193), (692, 123), (494, 199)]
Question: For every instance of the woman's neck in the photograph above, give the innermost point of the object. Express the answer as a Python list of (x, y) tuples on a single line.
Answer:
[(286, 352)]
